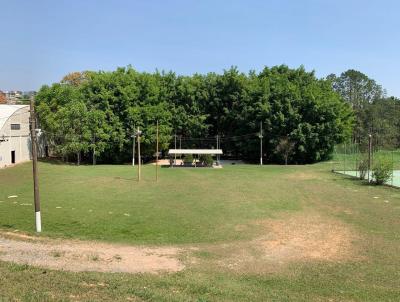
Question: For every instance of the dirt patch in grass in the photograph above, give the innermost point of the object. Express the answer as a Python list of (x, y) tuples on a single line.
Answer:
[(307, 236), (89, 256), (302, 176), (301, 237)]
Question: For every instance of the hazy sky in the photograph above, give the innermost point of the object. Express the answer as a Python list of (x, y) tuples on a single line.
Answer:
[(43, 40)]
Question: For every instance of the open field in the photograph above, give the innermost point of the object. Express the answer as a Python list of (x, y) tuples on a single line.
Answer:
[(242, 233)]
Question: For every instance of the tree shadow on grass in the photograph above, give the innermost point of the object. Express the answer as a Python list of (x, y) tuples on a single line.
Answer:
[(56, 161)]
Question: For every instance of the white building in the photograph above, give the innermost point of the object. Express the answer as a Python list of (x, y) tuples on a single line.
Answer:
[(15, 142)]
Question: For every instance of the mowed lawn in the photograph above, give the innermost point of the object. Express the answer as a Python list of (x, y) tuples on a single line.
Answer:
[(108, 203), (208, 209)]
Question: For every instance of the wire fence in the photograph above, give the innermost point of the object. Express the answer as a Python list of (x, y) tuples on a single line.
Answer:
[(360, 159)]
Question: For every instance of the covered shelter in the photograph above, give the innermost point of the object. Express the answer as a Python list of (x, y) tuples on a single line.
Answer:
[(196, 152)]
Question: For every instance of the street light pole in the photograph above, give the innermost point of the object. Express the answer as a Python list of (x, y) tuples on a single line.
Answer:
[(38, 218)]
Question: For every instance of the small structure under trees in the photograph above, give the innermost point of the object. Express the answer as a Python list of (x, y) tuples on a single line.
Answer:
[(195, 156)]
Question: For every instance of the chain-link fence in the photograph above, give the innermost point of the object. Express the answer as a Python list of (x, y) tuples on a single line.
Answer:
[(361, 159)]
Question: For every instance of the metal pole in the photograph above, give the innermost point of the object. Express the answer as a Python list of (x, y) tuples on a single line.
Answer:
[(139, 161), (38, 218), (392, 167), (157, 155), (357, 152), (369, 155)]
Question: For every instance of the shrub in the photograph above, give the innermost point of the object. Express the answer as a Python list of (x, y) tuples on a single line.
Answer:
[(382, 171), (188, 159), (363, 167), (207, 160), (285, 147)]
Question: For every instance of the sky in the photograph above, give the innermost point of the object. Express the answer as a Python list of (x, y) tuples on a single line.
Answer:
[(43, 40)]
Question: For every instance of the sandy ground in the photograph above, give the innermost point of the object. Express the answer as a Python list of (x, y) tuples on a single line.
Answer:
[(88, 256), (301, 237)]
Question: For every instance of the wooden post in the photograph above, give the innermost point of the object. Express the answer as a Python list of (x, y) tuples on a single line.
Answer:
[(38, 219)]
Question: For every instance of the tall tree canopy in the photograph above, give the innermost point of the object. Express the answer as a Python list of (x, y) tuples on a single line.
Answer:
[(94, 114), (375, 113)]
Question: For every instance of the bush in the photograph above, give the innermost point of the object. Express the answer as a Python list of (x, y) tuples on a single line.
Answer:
[(382, 171), (363, 167), (188, 159), (207, 160)]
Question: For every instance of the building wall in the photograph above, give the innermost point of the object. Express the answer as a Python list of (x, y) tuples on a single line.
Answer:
[(15, 140)]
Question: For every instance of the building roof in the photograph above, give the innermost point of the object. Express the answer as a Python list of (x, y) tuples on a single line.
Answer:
[(195, 151), (6, 111)]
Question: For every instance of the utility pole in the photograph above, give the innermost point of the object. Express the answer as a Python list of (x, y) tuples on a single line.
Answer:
[(157, 155), (38, 219), (261, 144), (139, 160)]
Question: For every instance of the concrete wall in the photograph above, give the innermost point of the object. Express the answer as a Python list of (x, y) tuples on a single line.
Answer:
[(15, 140)]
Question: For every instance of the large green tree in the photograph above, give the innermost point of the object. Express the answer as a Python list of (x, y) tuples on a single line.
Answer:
[(95, 114), (360, 92)]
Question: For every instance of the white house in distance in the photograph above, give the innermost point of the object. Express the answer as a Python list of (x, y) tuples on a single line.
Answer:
[(15, 142)]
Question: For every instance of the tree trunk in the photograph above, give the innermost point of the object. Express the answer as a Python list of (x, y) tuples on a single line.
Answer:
[(94, 157), (78, 158)]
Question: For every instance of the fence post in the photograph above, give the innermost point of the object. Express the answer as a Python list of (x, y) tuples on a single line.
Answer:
[(357, 153), (369, 156), (392, 167)]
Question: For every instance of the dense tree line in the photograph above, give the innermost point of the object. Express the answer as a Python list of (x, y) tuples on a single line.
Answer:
[(94, 114), (375, 113)]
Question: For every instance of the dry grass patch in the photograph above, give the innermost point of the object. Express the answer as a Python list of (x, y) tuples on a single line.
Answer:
[(294, 238), (302, 176)]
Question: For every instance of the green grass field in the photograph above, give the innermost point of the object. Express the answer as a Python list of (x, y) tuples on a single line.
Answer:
[(209, 209)]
